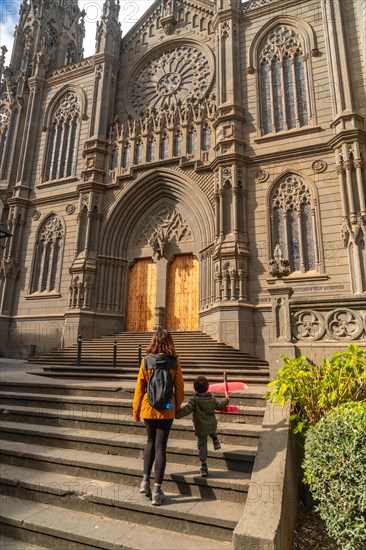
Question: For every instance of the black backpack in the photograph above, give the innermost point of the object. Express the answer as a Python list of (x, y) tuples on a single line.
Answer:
[(160, 386)]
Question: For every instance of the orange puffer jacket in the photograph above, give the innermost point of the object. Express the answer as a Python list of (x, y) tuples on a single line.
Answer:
[(141, 406)]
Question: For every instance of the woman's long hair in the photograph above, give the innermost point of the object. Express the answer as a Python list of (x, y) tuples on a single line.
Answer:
[(162, 342)]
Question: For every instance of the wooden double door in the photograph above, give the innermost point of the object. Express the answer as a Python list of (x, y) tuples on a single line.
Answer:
[(181, 294)]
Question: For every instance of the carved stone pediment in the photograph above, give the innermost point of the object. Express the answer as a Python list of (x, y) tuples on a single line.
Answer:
[(165, 225)]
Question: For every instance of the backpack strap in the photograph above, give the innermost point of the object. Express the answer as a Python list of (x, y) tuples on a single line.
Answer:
[(174, 365)]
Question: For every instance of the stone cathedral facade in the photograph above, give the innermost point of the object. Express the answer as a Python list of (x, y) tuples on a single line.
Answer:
[(204, 171)]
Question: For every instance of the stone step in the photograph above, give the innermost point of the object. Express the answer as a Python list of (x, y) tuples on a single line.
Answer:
[(252, 396), (229, 432), (230, 486), (179, 513), (66, 529), (121, 409), (232, 457), (100, 374), (7, 543)]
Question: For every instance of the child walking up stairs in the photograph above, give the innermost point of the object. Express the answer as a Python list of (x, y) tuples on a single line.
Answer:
[(71, 469)]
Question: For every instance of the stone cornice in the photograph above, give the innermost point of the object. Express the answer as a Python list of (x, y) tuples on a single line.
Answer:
[(345, 136), (304, 150), (326, 301), (68, 72), (254, 8), (52, 199)]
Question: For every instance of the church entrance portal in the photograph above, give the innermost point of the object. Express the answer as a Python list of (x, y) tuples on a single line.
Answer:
[(180, 279)]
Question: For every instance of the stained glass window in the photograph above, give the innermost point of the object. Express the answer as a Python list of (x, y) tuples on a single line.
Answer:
[(178, 144), (63, 138), (139, 152), (164, 149), (191, 141), (293, 223), (126, 157), (151, 150), (282, 82), (206, 138), (47, 262)]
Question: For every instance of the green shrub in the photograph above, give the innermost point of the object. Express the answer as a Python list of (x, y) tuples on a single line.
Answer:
[(335, 469), (314, 390)]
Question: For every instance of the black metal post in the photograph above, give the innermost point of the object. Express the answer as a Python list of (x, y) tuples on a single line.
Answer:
[(80, 343), (140, 355), (115, 353)]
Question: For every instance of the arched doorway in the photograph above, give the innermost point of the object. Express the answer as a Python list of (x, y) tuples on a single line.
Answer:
[(161, 220)]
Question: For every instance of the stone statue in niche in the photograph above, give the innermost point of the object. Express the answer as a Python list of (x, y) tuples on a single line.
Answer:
[(278, 266)]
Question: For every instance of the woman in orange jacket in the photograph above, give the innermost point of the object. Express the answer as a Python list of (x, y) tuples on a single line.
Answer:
[(157, 422)]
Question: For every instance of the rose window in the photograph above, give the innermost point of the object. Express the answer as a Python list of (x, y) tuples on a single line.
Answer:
[(176, 75)]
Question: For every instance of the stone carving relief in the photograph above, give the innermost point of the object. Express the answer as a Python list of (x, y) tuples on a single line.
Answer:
[(343, 325), (308, 325), (319, 166), (262, 176), (165, 225), (278, 266), (36, 215), (163, 82)]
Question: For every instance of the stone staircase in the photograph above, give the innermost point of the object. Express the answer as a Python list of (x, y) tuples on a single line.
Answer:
[(71, 469), (199, 354)]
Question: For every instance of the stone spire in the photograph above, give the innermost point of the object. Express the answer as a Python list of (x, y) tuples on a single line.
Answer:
[(54, 28), (108, 35)]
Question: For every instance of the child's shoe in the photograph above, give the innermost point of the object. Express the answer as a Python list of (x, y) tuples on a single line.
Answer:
[(216, 444), (204, 470), (145, 488), (157, 498)]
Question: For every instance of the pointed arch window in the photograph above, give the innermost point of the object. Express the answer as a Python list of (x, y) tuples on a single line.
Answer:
[(206, 137), (70, 53), (114, 157), (24, 49), (139, 148), (48, 256), (164, 147), (63, 138), (283, 86), (151, 146), (126, 157), (51, 44), (293, 224), (4, 131), (191, 141), (178, 141)]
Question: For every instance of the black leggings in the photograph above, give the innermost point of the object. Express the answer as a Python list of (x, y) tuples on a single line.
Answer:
[(155, 450)]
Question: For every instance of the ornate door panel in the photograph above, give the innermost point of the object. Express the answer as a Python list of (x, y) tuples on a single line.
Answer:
[(142, 296), (182, 293)]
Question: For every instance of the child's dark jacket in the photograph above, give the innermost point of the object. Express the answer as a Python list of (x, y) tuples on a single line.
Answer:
[(203, 406)]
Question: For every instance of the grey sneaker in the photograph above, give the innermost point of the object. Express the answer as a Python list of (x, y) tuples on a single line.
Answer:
[(145, 488), (157, 498), (204, 470)]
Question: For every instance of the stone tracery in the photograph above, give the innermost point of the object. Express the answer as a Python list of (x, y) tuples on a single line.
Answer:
[(178, 74)]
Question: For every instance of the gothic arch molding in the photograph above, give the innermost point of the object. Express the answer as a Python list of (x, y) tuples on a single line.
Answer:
[(149, 191), (319, 255), (77, 90), (305, 30), (46, 266)]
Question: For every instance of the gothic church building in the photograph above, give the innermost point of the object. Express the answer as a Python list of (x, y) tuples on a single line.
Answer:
[(206, 171)]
